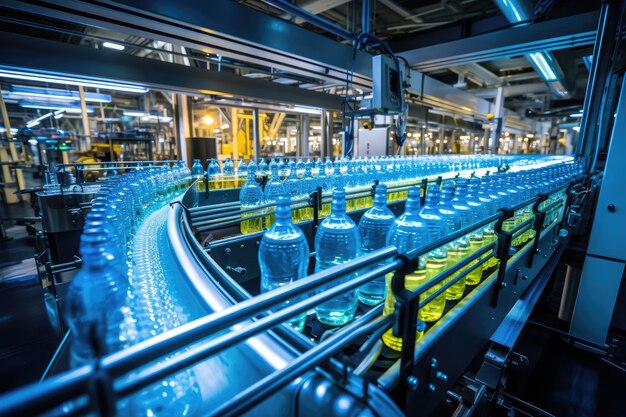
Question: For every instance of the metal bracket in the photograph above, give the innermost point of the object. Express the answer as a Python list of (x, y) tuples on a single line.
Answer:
[(502, 252), (405, 323), (424, 188)]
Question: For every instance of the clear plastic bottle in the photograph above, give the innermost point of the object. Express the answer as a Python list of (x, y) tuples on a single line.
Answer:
[(436, 260), (96, 309), (283, 255), (228, 171), (251, 200), (408, 232), (214, 173), (273, 189), (457, 250), (197, 174), (373, 228), (337, 241)]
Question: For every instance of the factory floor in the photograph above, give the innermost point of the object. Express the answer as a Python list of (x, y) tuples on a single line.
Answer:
[(561, 380), (28, 337)]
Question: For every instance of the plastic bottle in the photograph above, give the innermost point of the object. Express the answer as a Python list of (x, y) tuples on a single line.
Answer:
[(373, 228), (283, 255), (214, 174), (408, 232), (229, 179), (337, 241), (458, 249), (96, 308), (436, 260), (197, 173), (250, 199), (273, 189)]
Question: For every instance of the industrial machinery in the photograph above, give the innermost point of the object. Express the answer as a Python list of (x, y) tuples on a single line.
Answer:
[(245, 361)]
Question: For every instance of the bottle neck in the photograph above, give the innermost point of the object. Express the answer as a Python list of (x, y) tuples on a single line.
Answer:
[(338, 206), (283, 214), (380, 196)]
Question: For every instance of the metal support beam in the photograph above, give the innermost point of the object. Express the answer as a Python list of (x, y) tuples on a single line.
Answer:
[(549, 35), (183, 125), (84, 62), (603, 270), (84, 117), (303, 145), (604, 52), (317, 7), (263, 39), (256, 133), (10, 156), (498, 112), (234, 126)]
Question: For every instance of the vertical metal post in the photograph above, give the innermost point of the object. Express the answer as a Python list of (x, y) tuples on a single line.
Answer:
[(365, 16), (605, 261), (85, 118), (183, 123), (256, 133), (327, 133), (9, 197), (234, 119), (498, 113), (604, 50), (303, 143)]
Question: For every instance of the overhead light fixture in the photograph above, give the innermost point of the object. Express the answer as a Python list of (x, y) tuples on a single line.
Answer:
[(113, 45), (225, 126), (207, 120), (135, 113), (545, 69), (54, 79), (53, 106), (576, 115), (57, 94), (576, 128)]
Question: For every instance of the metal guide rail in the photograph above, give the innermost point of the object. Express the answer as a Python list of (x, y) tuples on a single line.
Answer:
[(417, 381)]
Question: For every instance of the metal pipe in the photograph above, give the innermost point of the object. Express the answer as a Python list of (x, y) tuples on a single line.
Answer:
[(168, 342), (246, 399), (196, 354)]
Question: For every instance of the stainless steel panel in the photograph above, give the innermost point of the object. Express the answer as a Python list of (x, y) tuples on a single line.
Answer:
[(597, 293)]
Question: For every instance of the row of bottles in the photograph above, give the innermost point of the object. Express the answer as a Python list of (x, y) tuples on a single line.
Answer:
[(355, 176), (121, 295), (448, 208)]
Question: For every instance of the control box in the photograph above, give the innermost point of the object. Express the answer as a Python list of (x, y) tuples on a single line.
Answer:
[(386, 85)]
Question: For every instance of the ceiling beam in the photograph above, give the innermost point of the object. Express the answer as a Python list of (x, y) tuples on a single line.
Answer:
[(317, 7), (550, 35), (80, 62)]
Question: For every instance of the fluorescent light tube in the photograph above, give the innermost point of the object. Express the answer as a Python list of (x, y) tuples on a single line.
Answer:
[(54, 79), (113, 45)]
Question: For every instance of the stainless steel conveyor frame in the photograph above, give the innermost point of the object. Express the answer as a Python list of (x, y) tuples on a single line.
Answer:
[(286, 369)]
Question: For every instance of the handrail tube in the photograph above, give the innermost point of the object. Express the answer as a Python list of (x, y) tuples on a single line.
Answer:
[(525, 225), (444, 274), (278, 379), (38, 398), (196, 354), (179, 337)]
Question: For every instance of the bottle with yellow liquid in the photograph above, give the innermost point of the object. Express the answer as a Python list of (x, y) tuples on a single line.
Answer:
[(250, 199), (437, 260), (273, 189), (214, 173), (228, 174), (308, 186), (241, 173), (293, 187), (457, 250), (197, 174), (408, 232)]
